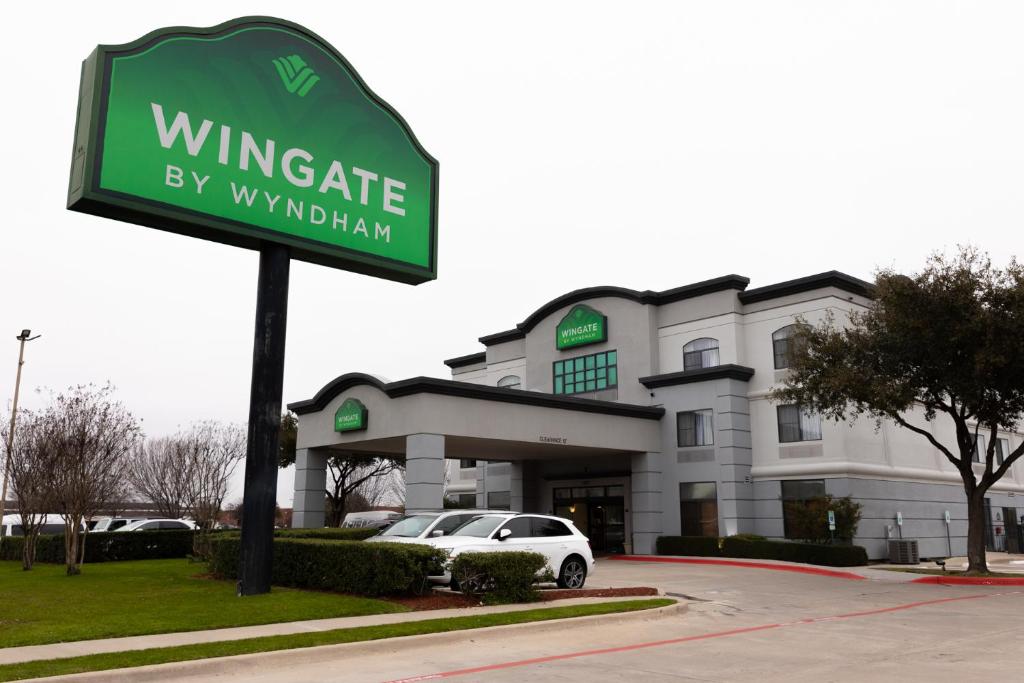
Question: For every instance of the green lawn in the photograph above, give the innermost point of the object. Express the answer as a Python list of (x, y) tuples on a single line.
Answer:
[(114, 599), (163, 655)]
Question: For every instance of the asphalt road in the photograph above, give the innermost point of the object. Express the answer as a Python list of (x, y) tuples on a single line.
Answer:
[(740, 625)]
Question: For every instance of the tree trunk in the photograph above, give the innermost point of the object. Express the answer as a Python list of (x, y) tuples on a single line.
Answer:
[(28, 551), (976, 522), (71, 551), (337, 510)]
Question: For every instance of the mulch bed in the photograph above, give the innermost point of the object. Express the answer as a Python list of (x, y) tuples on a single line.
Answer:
[(435, 600), (446, 600), (562, 594)]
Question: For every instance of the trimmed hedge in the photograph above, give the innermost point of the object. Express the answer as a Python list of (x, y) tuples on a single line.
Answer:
[(107, 546), (369, 569), (698, 546), (749, 547), (501, 577), (808, 553), (328, 533)]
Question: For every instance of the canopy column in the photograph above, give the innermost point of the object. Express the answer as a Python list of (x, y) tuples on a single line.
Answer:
[(310, 489), (424, 472)]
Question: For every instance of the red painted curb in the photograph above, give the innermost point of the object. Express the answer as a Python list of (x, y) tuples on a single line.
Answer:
[(799, 569), (972, 580)]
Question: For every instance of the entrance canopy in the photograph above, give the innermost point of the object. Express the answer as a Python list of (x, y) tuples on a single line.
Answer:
[(480, 422)]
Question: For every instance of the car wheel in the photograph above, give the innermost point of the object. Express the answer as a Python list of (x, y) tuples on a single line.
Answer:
[(573, 573), (454, 585)]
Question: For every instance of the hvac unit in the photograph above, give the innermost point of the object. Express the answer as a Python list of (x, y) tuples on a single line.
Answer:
[(903, 551)]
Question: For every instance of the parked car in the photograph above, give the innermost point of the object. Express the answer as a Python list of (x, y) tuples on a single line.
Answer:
[(158, 525), (53, 524), (375, 519), (566, 549), (113, 523), (422, 525)]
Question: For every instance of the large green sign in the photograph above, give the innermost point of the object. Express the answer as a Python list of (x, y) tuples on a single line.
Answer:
[(581, 326), (351, 416), (255, 130)]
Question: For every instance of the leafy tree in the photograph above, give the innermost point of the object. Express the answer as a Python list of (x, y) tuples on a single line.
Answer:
[(944, 345), (286, 441), (808, 519)]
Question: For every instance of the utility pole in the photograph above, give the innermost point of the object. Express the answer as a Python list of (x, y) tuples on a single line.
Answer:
[(23, 337)]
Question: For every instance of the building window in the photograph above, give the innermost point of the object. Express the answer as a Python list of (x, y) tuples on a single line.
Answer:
[(1002, 450), (595, 372), (797, 424), (695, 428), (782, 346), (978, 454), (698, 509), (795, 497), (499, 500), (700, 353), (466, 463), (467, 500), (510, 382)]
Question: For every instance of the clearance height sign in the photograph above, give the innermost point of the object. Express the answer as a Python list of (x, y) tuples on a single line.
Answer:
[(253, 131)]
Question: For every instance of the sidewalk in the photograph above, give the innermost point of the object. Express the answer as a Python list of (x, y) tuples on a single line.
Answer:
[(13, 655)]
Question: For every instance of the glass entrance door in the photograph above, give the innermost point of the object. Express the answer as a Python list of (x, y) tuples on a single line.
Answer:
[(597, 511)]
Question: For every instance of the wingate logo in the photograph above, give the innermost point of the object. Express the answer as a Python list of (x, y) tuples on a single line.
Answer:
[(297, 76)]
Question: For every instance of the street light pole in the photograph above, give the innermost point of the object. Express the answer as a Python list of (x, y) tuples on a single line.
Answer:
[(23, 337)]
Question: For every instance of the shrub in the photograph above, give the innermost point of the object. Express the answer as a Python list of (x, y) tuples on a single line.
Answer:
[(501, 577), (328, 533), (751, 546), (809, 553), (104, 546), (698, 546), (352, 567), (808, 519)]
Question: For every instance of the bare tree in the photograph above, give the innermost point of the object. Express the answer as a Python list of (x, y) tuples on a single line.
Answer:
[(382, 490), (346, 475), (31, 474), (213, 452), (158, 473), (91, 437)]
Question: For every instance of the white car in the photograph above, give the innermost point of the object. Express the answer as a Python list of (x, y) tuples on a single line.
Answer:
[(114, 523), (158, 525), (52, 524), (566, 549), (420, 526)]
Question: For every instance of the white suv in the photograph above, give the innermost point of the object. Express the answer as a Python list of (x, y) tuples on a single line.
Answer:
[(420, 526), (558, 540)]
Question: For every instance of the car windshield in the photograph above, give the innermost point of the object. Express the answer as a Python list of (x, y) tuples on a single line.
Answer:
[(409, 527), (481, 527)]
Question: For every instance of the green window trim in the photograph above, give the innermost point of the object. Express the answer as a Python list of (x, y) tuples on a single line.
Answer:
[(584, 374)]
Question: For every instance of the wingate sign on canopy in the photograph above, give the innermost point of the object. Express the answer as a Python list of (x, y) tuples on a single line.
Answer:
[(255, 130)]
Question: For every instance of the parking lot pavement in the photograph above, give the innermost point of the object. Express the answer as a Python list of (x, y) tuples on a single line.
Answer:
[(741, 625)]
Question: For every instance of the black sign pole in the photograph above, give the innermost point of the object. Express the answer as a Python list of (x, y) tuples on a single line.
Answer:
[(261, 457)]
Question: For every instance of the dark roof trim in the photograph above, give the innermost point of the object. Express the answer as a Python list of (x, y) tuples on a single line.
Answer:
[(718, 284), (832, 278), (469, 359), (729, 371), (446, 387)]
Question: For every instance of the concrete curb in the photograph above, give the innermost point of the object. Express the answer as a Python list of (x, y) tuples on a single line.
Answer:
[(236, 664)]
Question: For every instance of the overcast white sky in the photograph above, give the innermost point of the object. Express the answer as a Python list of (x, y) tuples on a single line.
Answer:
[(646, 145)]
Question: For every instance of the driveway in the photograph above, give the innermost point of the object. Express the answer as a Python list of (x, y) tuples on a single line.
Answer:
[(741, 625)]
